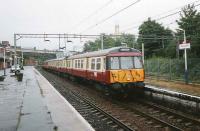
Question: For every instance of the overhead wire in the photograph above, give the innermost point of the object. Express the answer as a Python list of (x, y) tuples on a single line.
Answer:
[(105, 19), (158, 15), (92, 14), (163, 17)]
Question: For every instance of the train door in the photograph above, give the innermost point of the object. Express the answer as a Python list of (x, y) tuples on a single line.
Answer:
[(104, 69)]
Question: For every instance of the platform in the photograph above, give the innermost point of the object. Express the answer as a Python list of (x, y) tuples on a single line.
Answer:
[(35, 105), (175, 86)]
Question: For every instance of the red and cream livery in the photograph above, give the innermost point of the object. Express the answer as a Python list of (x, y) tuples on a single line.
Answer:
[(116, 68)]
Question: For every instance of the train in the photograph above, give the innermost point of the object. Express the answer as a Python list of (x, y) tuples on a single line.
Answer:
[(117, 69)]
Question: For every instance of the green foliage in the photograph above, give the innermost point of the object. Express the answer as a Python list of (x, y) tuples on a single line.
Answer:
[(40, 57), (109, 41), (155, 38), (190, 22), (172, 69)]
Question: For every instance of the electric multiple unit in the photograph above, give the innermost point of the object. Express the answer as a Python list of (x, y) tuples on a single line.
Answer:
[(118, 68)]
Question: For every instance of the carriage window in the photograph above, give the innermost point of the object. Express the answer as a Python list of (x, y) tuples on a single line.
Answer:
[(93, 64), (114, 63), (87, 63), (138, 62), (81, 63), (98, 63), (76, 63), (126, 62)]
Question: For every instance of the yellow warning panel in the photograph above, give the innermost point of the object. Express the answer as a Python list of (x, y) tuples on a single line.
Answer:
[(125, 76)]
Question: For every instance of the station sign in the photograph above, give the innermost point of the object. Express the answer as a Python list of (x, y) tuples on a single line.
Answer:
[(184, 46)]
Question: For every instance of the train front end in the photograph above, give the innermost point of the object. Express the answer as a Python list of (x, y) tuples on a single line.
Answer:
[(125, 69)]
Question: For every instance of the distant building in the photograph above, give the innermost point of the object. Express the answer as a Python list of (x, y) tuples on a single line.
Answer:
[(4, 45), (116, 29), (117, 32)]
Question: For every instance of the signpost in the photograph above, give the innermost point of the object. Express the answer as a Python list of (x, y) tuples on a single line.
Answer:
[(184, 46)]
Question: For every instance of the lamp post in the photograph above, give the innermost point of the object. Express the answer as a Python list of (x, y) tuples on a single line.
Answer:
[(185, 56), (4, 61), (102, 35)]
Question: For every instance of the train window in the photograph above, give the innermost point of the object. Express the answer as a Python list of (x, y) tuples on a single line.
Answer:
[(82, 63), (79, 63), (126, 62), (114, 62), (98, 63), (138, 62), (76, 63), (87, 63), (93, 64)]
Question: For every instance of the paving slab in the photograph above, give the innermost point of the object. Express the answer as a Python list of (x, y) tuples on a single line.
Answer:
[(35, 105), (63, 114)]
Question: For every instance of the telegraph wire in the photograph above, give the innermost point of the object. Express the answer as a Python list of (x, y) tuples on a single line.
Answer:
[(92, 14), (163, 17), (105, 19), (167, 11)]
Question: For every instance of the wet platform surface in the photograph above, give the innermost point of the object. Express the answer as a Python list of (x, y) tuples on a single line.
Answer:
[(35, 105)]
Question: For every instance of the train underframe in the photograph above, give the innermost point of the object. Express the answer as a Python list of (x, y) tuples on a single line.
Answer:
[(115, 89)]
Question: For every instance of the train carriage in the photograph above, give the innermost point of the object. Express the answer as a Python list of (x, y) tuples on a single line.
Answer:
[(118, 68)]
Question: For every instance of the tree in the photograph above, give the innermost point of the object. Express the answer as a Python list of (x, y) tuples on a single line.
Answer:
[(129, 39), (190, 22), (109, 41), (155, 37)]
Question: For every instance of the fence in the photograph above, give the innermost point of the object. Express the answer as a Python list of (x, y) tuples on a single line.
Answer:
[(173, 69)]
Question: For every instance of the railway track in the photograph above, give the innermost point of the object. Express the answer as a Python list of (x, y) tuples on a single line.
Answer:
[(98, 118), (167, 118), (154, 116)]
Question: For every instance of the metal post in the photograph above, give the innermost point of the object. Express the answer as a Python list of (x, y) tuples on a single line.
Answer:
[(158, 69), (101, 41), (22, 60), (143, 53), (15, 53), (177, 49), (186, 70), (185, 52), (65, 44), (59, 41), (170, 69), (185, 55), (4, 61)]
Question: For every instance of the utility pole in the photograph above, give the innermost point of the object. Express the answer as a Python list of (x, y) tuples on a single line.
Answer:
[(102, 41), (4, 60), (59, 41), (143, 53), (185, 52), (22, 60), (177, 48), (185, 56), (15, 54)]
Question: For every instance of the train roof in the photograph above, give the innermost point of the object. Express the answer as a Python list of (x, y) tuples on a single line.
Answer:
[(100, 53), (55, 59), (104, 52)]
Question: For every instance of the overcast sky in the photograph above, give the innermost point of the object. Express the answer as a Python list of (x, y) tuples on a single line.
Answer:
[(64, 16)]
